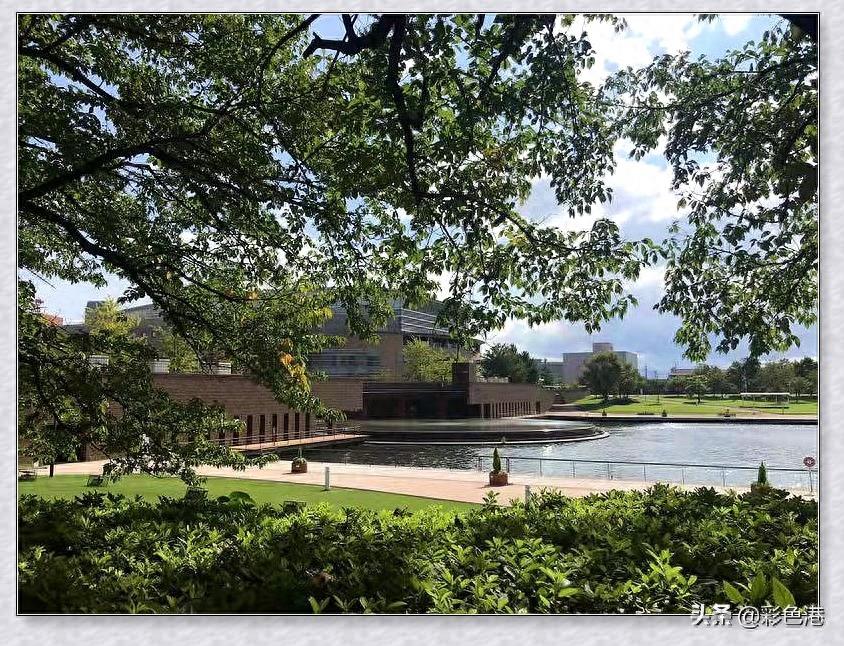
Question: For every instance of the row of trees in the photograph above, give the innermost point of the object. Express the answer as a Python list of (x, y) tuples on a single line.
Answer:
[(799, 377)]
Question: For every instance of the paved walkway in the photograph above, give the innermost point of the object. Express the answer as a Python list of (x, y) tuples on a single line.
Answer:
[(464, 486)]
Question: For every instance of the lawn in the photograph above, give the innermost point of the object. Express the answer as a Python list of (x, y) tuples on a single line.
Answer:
[(262, 491), (684, 405)]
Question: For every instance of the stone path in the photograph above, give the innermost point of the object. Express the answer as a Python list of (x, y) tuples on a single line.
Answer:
[(464, 486)]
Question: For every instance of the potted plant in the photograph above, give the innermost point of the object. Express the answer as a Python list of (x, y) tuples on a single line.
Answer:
[(761, 483), (497, 477), (664, 413), (299, 464)]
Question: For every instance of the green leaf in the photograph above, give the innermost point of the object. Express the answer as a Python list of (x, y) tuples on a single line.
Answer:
[(732, 593), (758, 589), (782, 596)]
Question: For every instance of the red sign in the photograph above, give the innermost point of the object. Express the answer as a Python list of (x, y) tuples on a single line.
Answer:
[(809, 461)]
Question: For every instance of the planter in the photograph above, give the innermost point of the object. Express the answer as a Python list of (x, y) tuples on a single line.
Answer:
[(755, 487), (299, 467), (498, 478)]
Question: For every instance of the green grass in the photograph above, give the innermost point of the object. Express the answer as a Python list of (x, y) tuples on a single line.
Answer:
[(262, 491), (684, 405)]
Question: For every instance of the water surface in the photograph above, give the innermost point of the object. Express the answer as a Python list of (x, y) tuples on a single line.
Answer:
[(715, 445)]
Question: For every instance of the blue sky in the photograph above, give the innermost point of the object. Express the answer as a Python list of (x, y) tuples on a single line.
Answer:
[(643, 203)]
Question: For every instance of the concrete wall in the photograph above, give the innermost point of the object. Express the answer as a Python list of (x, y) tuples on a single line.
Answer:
[(509, 400)]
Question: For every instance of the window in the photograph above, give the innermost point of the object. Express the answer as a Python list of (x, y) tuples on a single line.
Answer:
[(275, 426), (249, 427), (262, 425), (286, 425)]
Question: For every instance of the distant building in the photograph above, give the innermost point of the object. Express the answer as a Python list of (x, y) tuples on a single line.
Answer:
[(384, 359), (570, 369), (355, 358), (680, 372)]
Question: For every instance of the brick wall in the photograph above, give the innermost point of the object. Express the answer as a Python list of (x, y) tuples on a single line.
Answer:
[(256, 406), (240, 395)]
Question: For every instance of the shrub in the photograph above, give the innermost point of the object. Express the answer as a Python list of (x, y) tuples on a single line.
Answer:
[(299, 459), (664, 413), (762, 475), (496, 461), (659, 550)]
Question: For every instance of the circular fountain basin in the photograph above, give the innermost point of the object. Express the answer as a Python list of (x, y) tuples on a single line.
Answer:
[(479, 431)]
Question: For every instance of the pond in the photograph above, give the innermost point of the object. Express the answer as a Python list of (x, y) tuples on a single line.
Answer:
[(714, 446)]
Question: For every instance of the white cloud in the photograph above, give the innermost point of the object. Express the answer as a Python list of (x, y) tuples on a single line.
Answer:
[(644, 188), (650, 279), (735, 23), (646, 36)]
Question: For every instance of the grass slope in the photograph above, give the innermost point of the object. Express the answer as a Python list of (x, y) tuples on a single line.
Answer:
[(683, 405), (261, 491)]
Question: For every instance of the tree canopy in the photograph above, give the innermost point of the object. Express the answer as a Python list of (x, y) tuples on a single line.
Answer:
[(424, 362), (244, 173), (601, 374), (106, 318), (741, 135), (505, 360)]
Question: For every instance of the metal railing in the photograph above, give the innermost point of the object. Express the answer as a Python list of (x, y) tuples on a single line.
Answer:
[(609, 467), (675, 472)]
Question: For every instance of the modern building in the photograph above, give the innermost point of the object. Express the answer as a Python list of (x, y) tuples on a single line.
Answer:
[(384, 359), (356, 358), (570, 369)]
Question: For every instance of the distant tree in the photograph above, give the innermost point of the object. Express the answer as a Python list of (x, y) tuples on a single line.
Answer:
[(174, 347), (716, 379), (807, 368), (629, 380), (424, 362), (696, 386), (675, 385), (601, 374), (547, 376), (107, 319), (775, 376), (743, 373), (799, 386), (531, 371), (504, 360)]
